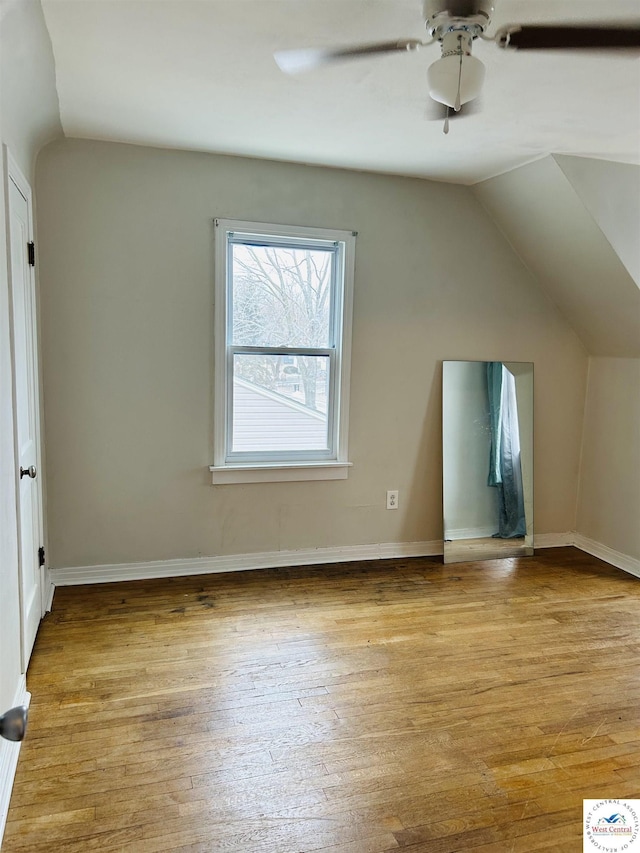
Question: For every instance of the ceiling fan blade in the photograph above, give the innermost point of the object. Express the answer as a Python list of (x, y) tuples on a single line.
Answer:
[(296, 61), (567, 37)]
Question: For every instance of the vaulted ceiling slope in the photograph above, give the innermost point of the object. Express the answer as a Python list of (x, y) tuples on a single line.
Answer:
[(200, 75), (611, 194), (29, 112), (575, 223)]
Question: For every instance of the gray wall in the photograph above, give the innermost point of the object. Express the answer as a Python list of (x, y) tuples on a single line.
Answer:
[(609, 505), (126, 254)]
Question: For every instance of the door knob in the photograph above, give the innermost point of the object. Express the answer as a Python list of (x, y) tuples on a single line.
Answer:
[(13, 723), (28, 472)]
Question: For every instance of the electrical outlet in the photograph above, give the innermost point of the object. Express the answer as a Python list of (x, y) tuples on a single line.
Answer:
[(392, 499)]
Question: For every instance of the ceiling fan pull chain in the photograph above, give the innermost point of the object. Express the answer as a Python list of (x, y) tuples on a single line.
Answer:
[(445, 129), (457, 103)]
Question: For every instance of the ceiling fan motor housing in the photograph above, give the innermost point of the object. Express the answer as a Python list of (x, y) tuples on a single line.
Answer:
[(441, 15)]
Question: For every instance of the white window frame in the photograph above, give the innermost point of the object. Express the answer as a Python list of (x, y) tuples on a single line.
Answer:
[(332, 464)]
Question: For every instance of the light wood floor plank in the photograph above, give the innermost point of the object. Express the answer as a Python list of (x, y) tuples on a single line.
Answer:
[(358, 708)]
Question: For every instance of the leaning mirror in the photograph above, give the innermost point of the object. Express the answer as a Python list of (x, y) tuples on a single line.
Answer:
[(487, 450)]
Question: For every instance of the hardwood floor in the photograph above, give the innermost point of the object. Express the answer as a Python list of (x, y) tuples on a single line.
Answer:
[(359, 708)]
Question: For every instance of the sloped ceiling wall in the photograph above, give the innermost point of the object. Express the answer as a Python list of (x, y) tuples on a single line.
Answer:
[(574, 222), (29, 111), (611, 194)]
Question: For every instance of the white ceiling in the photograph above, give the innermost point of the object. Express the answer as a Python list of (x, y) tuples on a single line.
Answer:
[(200, 75)]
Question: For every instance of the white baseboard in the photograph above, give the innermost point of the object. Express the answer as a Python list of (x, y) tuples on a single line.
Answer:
[(9, 753), (603, 552), (305, 557), (241, 562)]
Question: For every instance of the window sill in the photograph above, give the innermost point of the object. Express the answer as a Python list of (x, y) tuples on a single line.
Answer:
[(280, 473)]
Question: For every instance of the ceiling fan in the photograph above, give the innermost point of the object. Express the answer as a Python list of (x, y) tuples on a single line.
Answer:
[(456, 78)]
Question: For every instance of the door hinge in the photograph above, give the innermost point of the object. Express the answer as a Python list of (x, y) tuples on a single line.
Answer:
[(41, 556), (31, 252)]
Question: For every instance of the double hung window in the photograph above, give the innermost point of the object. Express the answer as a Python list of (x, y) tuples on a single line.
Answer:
[(282, 352)]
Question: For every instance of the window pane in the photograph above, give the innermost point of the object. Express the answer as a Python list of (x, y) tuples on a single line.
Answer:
[(280, 402), (281, 297)]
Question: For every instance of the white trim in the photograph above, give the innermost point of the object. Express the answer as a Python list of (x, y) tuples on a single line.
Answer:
[(9, 752), (282, 473), (14, 174), (306, 557), (242, 562), (340, 356), (219, 343), (603, 552), (345, 334)]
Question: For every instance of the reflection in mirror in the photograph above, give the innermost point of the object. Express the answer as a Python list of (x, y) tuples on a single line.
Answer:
[(487, 449)]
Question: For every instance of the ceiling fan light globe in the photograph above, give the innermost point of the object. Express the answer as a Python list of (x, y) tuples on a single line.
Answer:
[(443, 75)]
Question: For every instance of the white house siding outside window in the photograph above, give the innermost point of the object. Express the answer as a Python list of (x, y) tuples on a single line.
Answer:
[(283, 308)]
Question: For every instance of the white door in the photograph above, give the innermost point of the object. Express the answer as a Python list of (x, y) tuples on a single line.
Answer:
[(27, 421)]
